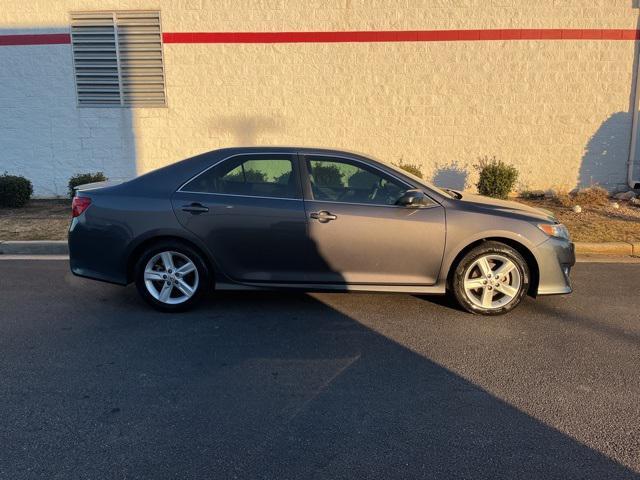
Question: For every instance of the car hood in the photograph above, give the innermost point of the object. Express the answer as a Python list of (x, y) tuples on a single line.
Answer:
[(488, 203)]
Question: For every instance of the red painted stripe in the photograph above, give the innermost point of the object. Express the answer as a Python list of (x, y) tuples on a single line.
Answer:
[(355, 36), (401, 36), (36, 39)]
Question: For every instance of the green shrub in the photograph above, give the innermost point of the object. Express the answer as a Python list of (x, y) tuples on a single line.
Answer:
[(283, 178), (249, 175), (497, 178), (15, 191), (327, 175), (82, 178), (411, 168)]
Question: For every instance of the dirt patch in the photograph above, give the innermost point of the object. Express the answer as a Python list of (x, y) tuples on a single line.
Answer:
[(596, 223), (38, 220)]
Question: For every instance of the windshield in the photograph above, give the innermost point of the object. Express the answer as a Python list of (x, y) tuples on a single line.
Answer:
[(421, 181), (444, 192)]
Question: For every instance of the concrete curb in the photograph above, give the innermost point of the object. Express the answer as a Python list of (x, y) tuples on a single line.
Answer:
[(608, 248), (59, 247), (34, 247)]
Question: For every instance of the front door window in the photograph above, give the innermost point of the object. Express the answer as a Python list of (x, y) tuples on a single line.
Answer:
[(338, 180)]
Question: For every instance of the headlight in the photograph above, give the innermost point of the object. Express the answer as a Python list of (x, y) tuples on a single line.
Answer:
[(555, 230)]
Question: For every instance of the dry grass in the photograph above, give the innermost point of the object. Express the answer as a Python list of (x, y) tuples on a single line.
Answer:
[(598, 221), (39, 220), (591, 197)]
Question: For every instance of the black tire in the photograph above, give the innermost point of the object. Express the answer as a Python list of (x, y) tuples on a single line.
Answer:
[(203, 275), (497, 249)]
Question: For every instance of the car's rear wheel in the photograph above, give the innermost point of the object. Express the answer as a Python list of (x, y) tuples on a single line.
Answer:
[(171, 276), (491, 279)]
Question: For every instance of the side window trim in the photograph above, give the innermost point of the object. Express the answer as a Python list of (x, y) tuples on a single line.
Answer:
[(291, 156), (303, 176)]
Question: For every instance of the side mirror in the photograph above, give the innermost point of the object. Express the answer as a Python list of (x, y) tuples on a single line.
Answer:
[(411, 198)]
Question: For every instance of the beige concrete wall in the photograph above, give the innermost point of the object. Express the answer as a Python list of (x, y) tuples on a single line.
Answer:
[(558, 110)]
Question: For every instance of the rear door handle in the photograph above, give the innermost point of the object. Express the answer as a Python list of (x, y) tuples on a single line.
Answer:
[(323, 216), (195, 208)]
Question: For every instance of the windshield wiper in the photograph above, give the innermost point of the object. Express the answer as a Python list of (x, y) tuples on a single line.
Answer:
[(456, 195)]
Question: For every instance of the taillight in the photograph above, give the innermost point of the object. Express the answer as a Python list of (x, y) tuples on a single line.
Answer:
[(79, 205)]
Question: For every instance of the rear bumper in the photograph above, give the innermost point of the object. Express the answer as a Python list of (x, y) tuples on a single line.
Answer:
[(96, 253), (555, 258)]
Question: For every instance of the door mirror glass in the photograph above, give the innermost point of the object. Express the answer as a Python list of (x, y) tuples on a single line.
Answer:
[(412, 198)]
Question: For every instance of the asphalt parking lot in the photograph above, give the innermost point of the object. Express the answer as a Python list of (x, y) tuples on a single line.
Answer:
[(94, 384)]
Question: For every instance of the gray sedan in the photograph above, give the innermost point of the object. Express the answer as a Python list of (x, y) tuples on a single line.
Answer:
[(312, 219)]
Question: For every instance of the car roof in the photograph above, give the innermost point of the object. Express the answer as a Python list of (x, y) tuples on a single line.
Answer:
[(287, 148), (229, 151)]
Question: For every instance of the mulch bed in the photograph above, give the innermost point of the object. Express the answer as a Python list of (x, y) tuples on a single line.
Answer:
[(596, 223)]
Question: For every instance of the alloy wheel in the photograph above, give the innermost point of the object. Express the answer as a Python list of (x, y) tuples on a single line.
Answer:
[(492, 281), (171, 277)]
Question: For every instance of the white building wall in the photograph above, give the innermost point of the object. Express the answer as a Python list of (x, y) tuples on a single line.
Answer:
[(557, 109), (43, 134)]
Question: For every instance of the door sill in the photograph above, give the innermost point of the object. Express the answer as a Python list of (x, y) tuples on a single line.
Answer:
[(437, 289)]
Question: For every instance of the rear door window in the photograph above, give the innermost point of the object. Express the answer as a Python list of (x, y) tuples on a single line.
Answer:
[(262, 175)]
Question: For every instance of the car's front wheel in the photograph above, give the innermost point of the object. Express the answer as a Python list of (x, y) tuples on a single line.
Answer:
[(171, 276), (491, 279)]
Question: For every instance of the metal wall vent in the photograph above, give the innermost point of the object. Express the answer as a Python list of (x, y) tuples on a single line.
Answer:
[(117, 58)]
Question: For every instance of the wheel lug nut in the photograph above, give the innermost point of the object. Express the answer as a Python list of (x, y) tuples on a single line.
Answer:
[(164, 276), (490, 287)]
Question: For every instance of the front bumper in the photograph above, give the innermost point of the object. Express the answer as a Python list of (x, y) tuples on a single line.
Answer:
[(555, 259)]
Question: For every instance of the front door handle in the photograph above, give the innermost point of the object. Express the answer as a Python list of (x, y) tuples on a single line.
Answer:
[(195, 208), (323, 216)]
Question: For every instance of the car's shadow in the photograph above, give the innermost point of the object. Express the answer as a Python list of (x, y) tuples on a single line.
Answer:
[(446, 301), (258, 385)]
